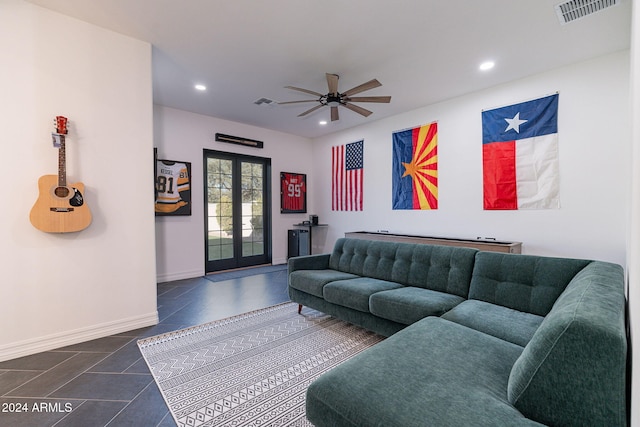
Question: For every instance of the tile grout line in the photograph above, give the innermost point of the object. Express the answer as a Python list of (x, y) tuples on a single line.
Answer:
[(37, 376), (63, 418), (131, 401), (81, 373)]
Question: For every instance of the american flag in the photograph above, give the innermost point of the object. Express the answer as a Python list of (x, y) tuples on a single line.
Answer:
[(347, 165)]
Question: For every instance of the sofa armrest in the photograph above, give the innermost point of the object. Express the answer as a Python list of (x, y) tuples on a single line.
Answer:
[(309, 262), (573, 370)]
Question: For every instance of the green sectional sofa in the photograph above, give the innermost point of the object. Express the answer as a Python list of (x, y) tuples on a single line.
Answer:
[(474, 338)]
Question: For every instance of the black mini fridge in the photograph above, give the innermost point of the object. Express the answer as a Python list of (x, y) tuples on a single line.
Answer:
[(298, 243)]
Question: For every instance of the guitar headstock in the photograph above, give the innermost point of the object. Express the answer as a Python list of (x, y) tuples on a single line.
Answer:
[(61, 125)]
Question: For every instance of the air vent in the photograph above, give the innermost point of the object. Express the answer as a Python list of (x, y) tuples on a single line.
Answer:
[(264, 101), (577, 9)]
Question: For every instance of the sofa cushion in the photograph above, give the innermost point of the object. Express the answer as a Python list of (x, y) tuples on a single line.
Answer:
[(441, 268), (523, 282), (410, 304), (573, 370), (355, 293), (312, 281), (505, 323), (432, 373)]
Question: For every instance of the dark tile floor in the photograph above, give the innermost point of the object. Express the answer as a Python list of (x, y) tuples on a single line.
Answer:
[(106, 381)]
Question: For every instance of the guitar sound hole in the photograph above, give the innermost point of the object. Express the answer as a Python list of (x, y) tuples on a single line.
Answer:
[(61, 191)]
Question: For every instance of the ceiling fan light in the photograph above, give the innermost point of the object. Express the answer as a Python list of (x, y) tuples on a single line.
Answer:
[(333, 100)]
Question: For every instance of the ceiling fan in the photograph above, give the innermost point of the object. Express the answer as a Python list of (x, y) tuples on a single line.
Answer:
[(335, 99)]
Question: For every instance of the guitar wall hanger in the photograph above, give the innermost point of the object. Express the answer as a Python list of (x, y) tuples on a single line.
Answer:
[(60, 207)]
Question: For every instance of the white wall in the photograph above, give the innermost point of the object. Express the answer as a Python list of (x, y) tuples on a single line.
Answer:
[(180, 135), (634, 219), (595, 173), (59, 289)]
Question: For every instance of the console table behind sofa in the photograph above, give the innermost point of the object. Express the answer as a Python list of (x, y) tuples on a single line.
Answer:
[(483, 245)]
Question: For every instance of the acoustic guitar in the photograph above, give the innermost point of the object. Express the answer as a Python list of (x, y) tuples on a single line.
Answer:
[(60, 207)]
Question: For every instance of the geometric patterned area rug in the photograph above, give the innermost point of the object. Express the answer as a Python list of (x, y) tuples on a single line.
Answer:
[(252, 369)]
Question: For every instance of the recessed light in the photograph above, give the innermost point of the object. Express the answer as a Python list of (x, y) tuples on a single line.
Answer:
[(322, 122), (487, 65), (200, 87)]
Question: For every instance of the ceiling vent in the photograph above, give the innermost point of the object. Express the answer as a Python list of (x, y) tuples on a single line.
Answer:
[(264, 101), (577, 9)]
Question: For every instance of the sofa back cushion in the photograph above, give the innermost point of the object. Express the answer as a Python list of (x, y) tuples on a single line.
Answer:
[(522, 282), (440, 268), (572, 371)]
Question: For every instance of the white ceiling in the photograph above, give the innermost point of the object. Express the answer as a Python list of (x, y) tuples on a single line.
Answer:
[(421, 51)]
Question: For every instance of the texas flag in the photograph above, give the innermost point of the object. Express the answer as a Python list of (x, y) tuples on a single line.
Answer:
[(520, 155)]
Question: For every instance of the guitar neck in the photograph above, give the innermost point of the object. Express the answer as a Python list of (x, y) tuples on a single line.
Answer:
[(62, 166), (61, 129)]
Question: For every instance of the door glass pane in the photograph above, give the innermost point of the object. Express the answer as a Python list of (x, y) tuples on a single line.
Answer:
[(252, 209), (220, 208)]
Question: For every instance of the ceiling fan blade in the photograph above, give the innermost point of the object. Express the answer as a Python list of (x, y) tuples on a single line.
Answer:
[(332, 82), (369, 99), (359, 110), (364, 86), (310, 110), (297, 102), (334, 114), (304, 90)]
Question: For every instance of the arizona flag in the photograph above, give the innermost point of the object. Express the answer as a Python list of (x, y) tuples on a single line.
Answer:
[(520, 155), (415, 168)]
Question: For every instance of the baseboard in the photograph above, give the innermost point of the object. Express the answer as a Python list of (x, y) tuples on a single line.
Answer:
[(278, 261), (170, 277), (54, 341)]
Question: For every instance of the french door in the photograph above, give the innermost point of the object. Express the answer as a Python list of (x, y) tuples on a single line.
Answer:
[(237, 210)]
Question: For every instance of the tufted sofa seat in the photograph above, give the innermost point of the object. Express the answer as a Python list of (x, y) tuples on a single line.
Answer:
[(382, 286)]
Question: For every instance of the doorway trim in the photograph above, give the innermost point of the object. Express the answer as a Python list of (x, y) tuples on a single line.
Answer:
[(238, 261)]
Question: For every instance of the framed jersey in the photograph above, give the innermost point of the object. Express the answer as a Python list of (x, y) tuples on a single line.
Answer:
[(293, 192), (173, 188)]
